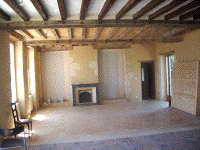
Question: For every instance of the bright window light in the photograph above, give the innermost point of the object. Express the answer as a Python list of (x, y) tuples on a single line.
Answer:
[(39, 117)]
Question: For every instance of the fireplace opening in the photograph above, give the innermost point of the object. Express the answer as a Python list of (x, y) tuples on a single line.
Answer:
[(85, 96)]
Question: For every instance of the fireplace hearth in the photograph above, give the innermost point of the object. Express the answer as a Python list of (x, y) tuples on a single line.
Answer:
[(85, 94)]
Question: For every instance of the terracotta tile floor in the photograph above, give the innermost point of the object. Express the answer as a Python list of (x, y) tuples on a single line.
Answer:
[(103, 122)]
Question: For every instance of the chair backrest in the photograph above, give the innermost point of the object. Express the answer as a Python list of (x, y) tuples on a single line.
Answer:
[(15, 112)]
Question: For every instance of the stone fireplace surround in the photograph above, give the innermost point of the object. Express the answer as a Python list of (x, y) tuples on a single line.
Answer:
[(79, 88)]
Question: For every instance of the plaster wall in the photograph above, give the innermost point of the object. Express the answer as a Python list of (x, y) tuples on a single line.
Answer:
[(134, 56), (6, 119)]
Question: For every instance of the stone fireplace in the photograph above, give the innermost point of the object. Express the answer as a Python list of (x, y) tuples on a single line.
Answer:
[(85, 94)]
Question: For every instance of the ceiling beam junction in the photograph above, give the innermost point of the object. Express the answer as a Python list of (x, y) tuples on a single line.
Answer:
[(84, 8), (27, 34), (41, 33), (16, 35), (106, 7), (40, 8), (55, 33), (151, 5), (62, 8), (98, 31), (127, 7), (18, 9), (182, 10)]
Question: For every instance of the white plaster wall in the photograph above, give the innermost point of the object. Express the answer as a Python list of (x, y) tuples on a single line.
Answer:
[(54, 74)]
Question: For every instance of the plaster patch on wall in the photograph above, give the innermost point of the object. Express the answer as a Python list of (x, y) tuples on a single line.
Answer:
[(96, 71), (93, 64)]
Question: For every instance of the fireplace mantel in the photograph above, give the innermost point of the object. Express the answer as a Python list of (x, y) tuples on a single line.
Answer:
[(93, 87)]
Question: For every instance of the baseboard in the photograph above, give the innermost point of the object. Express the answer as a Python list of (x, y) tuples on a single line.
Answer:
[(103, 102)]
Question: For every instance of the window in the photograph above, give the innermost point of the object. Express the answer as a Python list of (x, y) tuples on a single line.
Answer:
[(12, 72)]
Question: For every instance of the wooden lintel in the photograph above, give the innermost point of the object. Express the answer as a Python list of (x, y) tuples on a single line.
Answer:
[(18, 25), (125, 46), (56, 49), (16, 35), (55, 33), (41, 33)]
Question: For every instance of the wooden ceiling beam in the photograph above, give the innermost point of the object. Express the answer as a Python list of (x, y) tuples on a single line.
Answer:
[(70, 33), (182, 10), (168, 7), (112, 32), (4, 16), (16, 35), (40, 8), (151, 5), (127, 7), (27, 34), (41, 33), (18, 9), (106, 7), (189, 14), (98, 31), (55, 33), (84, 31), (62, 8), (84, 8)]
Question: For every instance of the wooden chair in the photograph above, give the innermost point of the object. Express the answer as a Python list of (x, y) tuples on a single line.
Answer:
[(18, 121)]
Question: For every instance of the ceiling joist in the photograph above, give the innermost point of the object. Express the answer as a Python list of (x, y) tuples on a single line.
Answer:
[(26, 33), (182, 10), (55, 33), (4, 16), (189, 14), (41, 33), (40, 8), (16, 35), (70, 33), (127, 7), (125, 33), (18, 9), (147, 8), (106, 7), (166, 8), (62, 8), (84, 8), (84, 31), (98, 31), (112, 32), (196, 17)]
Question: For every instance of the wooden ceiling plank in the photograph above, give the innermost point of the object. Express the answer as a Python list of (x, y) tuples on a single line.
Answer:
[(41, 33), (27, 34), (106, 7), (70, 33), (127, 7), (18, 9), (189, 14), (98, 31), (166, 8), (151, 5), (125, 33), (112, 32), (84, 8), (84, 33), (182, 10), (4, 15), (62, 8), (16, 35), (55, 33), (40, 8), (139, 31)]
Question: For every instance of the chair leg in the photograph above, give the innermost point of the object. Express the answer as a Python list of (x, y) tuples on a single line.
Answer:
[(28, 130)]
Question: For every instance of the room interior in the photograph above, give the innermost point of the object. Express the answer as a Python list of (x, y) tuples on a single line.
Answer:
[(63, 49)]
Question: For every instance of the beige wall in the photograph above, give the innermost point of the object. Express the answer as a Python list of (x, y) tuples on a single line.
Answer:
[(6, 119), (83, 65), (134, 56)]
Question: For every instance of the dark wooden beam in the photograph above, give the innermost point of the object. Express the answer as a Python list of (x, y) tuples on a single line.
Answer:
[(41, 33), (4, 16), (51, 49), (40, 8), (197, 16), (18, 25), (189, 14), (98, 31), (18, 9), (127, 7), (55, 33), (70, 33), (106, 7), (16, 35), (151, 5), (84, 8), (62, 8), (168, 7), (112, 32), (182, 10), (84, 30), (27, 34), (125, 33)]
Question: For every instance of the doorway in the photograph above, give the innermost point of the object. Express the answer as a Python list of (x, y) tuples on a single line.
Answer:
[(148, 80)]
